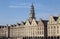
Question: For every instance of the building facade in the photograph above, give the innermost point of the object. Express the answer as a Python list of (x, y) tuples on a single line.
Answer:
[(53, 27), (33, 29)]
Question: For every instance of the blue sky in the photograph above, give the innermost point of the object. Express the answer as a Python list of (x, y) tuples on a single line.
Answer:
[(13, 11)]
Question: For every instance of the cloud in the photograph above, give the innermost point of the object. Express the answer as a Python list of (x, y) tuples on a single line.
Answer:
[(14, 6), (18, 6), (21, 5), (11, 6)]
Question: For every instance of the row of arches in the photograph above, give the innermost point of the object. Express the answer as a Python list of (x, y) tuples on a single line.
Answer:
[(33, 38), (53, 37), (41, 37)]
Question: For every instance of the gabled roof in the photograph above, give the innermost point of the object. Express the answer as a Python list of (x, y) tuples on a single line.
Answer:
[(27, 22), (45, 22), (37, 22), (55, 18), (22, 23), (34, 20), (18, 24), (12, 25), (2, 26)]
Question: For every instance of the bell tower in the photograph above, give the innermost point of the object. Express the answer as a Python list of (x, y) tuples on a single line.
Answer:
[(32, 13)]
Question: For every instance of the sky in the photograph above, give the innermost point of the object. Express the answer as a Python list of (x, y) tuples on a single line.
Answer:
[(15, 11)]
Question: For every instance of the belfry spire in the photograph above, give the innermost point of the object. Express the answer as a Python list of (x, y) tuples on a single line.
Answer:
[(32, 13)]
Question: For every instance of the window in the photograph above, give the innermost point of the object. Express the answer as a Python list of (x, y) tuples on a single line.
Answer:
[(42, 28), (38, 28), (48, 32), (54, 32), (38, 32), (54, 27), (57, 31), (42, 32), (51, 32), (57, 26), (33, 33), (48, 27), (51, 27)]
